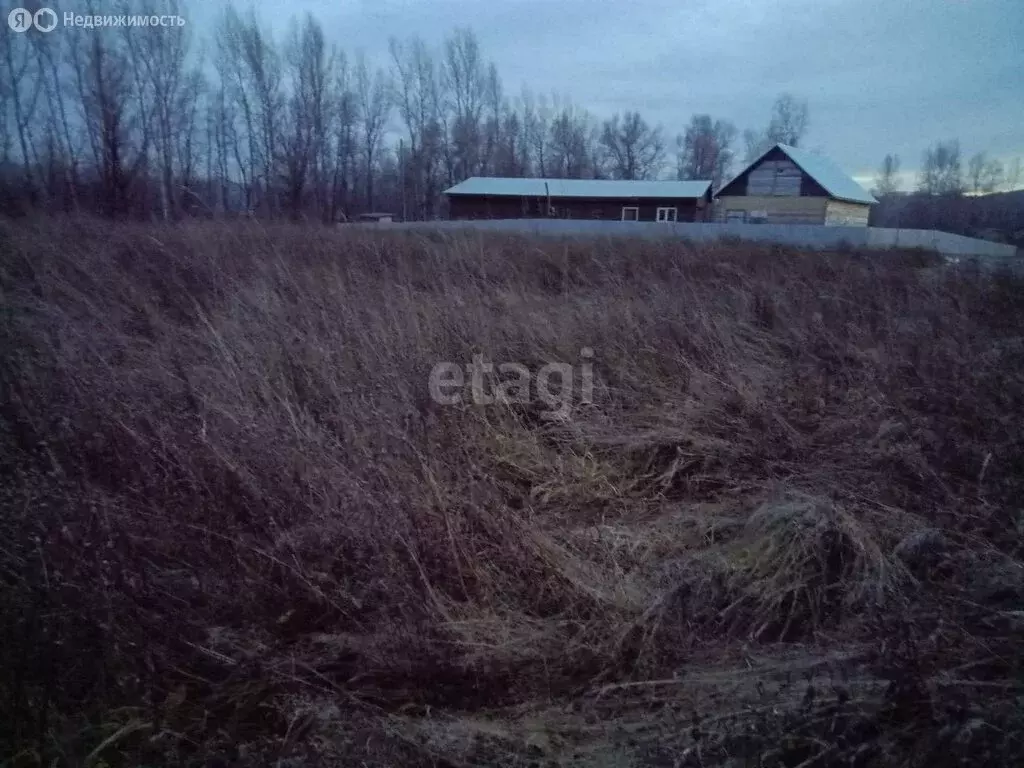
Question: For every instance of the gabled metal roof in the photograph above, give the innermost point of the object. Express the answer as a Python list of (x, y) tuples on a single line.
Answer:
[(583, 188), (828, 175)]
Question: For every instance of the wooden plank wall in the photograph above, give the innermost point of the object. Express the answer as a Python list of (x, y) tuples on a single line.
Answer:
[(777, 178), (843, 214), (780, 210)]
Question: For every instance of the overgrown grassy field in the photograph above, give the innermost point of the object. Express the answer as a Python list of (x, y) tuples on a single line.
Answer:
[(236, 529)]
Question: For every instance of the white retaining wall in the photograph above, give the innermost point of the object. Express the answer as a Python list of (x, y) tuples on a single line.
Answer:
[(802, 235)]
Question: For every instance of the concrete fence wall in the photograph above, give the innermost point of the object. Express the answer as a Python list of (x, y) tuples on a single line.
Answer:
[(801, 235)]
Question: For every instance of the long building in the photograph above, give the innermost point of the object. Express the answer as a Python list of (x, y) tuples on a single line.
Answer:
[(482, 197)]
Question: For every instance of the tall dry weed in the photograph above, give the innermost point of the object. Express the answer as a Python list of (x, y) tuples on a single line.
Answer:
[(235, 526)]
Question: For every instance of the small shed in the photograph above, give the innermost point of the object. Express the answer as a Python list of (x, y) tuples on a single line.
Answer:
[(482, 197), (787, 185)]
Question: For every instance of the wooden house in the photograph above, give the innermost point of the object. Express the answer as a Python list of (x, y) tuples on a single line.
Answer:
[(787, 185)]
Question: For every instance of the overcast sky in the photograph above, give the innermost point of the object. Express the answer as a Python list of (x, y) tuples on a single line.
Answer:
[(880, 75)]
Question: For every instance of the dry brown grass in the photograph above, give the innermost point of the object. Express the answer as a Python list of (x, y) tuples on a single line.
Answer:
[(236, 530)]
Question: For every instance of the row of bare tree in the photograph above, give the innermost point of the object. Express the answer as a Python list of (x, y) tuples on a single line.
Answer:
[(148, 121), (942, 173), (950, 197)]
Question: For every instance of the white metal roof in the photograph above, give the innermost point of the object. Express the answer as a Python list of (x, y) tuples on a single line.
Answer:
[(586, 188), (822, 170)]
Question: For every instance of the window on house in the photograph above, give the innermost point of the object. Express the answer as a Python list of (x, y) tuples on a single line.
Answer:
[(630, 213), (666, 214), (735, 215)]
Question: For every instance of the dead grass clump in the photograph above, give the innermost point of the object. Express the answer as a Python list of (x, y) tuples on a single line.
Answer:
[(805, 562), (798, 565)]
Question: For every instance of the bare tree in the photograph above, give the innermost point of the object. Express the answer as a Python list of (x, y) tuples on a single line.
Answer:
[(222, 149), (787, 125), (345, 116), (23, 87), (374, 106), (187, 134), (158, 55), (569, 144), (705, 150), (238, 103), (536, 129), (984, 175), (887, 181), (417, 95), (304, 137), (262, 64), (755, 144), (511, 158), (114, 112), (465, 85), (6, 86), (66, 145), (633, 149), (491, 128), (250, 74), (406, 97), (1012, 176), (976, 170), (941, 172), (789, 120)]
